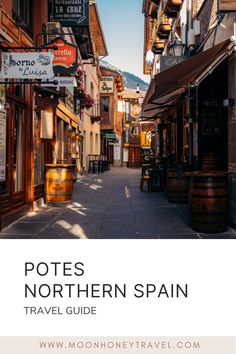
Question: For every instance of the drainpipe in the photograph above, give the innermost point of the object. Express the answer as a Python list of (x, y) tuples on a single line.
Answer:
[(186, 50)]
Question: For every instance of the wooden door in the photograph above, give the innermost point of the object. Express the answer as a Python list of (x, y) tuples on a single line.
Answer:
[(13, 188), (134, 157)]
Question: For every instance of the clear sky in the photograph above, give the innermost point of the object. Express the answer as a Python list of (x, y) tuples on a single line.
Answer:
[(123, 26)]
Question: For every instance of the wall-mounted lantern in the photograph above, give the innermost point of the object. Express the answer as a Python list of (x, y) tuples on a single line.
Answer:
[(176, 47)]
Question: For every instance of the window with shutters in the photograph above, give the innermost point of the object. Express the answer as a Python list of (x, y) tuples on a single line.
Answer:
[(22, 12)]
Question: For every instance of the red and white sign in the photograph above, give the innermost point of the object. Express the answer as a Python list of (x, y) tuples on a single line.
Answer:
[(65, 56)]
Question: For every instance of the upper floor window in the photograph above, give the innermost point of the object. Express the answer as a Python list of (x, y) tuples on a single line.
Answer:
[(22, 11), (105, 104)]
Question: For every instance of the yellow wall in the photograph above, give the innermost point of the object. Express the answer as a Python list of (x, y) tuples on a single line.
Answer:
[(91, 131)]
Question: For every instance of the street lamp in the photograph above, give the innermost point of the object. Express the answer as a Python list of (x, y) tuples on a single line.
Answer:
[(176, 47)]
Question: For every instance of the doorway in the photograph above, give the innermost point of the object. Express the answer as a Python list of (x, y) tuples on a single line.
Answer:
[(13, 187)]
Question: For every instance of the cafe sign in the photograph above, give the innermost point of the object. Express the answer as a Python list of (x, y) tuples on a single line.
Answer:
[(34, 65), (226, 5), (65, 57), (70, 13), (167, 61)]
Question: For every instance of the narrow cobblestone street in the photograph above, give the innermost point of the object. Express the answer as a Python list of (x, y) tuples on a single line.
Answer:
[(110, 206)]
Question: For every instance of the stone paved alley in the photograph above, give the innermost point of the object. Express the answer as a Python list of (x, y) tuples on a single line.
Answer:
[(110, 206)]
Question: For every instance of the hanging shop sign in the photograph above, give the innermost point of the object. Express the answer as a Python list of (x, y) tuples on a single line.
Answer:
[(65, 57), (46, 125), (2, 145), (106, 84), (167, 61), (60, 81), (35, 65), (226, 5), (110, 136), (69, 13)]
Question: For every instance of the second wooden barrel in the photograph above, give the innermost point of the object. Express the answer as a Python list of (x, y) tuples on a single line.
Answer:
[(211, 162), (178, 183), (58, 185), (208, 201)]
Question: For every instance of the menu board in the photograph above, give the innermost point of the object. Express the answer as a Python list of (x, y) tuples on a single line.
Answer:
[(46, 127), (2, 145)]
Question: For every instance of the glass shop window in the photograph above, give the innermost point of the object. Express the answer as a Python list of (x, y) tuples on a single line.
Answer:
[(105, 104)]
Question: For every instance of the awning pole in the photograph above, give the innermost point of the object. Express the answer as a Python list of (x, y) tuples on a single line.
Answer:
[(190, 111)]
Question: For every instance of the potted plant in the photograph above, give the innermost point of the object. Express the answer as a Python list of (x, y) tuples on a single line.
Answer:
[(165, 26), (158, 45)]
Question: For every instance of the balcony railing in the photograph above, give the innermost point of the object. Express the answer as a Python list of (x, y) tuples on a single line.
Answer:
[(172, 7), (95, 112)]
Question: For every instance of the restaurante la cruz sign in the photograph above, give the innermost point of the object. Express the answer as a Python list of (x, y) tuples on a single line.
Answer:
[(27, 65), (226, 5), (69, 12)]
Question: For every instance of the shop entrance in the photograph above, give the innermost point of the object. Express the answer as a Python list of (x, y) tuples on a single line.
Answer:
[(13, 187), (213, 125)]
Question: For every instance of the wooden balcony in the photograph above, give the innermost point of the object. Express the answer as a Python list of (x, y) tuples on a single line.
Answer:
[(164, 29), (158, 46), (172, 7), (156, 2), (95, 113)]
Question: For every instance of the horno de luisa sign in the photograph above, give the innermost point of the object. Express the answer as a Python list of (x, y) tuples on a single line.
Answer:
[(36, 65)]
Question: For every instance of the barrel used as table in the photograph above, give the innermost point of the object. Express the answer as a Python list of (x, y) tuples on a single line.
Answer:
[(208, 201), (58, 183), (211, 162), (178, 183)]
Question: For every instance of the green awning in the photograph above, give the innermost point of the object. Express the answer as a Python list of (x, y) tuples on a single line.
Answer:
[(110, 136)]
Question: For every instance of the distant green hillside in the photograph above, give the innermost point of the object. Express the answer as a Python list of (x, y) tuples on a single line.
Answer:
[(130, 80)]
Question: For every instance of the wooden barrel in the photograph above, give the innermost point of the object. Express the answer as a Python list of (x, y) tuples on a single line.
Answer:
[(208, 201), (211, 162), (178, 183), (58, 185)]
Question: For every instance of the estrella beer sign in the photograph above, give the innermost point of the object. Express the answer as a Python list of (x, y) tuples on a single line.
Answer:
[(65, 56)]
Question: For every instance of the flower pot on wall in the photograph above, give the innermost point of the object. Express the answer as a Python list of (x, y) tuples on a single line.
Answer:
[(164, 30), (158, 46)]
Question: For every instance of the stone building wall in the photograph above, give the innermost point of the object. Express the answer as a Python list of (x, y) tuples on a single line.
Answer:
[(207, 16)]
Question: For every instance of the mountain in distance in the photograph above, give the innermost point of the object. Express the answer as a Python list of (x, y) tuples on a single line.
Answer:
[(130, 80)]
